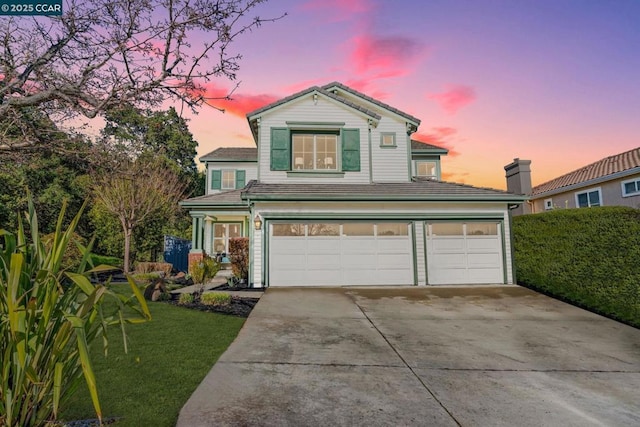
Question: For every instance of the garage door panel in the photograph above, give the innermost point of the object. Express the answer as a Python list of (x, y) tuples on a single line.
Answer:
[(289, 261), (448, 260), (466, 259), (448, 244), (323, 261), (342, 259), (486, 260), (358, 245), (323, 245), (483, 244), (393, 261)]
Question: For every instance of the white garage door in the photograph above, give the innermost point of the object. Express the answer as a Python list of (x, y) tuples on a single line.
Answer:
[(331, 254), (464, 253)]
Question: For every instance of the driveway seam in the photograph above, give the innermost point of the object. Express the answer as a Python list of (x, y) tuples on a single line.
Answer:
[(426, 387)]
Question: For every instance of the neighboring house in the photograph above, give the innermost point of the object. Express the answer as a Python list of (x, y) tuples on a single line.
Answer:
[(612, 181), (337, 193)]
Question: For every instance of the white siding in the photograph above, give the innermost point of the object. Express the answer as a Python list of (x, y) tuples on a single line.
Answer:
[(306, 110), (419, 236), (257, 258), (508, 254), (250, 168), (390, 164)]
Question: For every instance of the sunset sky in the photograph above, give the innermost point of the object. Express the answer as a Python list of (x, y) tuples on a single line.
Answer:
[(553, 81)]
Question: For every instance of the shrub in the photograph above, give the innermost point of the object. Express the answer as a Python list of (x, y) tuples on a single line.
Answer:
[(215, 298), (186, 298), (239, 257), (586, 256), (48, 320), (150, 267), (106, 260), (145, 278), (205, 270)]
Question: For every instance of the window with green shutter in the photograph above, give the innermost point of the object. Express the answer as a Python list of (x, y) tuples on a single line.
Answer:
[(240, 179), (216, 179), (280, 149), (351, 150)]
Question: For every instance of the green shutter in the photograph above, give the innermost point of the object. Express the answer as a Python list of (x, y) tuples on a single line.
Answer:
[(351, 150), (216, 179), (240, 179), (280, 149)]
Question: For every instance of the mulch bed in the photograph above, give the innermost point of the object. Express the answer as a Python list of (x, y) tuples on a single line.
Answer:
[(239, 306)]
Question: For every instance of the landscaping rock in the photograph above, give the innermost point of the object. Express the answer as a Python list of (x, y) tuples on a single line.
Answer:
[(155, 290)]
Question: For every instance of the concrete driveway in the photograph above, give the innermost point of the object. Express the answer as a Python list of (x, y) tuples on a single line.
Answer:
[(485, 356)]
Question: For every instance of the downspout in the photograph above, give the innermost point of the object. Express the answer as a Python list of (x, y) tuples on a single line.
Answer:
[(370, 124)]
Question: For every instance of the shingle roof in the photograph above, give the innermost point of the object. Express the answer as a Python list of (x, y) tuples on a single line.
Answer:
[(600, 169), (372, 100), (423, 146), (233, 154), (227, 198), (419, 190), (318, 89)]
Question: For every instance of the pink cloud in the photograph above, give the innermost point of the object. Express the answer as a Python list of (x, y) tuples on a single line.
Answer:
[(454, 98), (340, 10), (440, 137), (387, 56), (236, 104)]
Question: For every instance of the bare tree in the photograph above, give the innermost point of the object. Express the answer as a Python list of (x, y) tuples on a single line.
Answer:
[(103, 53), (137, 191)]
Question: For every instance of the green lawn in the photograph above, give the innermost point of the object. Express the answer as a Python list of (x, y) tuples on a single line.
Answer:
[(168, 357)]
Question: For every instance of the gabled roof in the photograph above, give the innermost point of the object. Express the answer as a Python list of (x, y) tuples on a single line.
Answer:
[(372, 100), (226, 199), (251, 116), (601, 169), (312, 89), (232, 154), (417, 190), (423, 147), (328, 90)]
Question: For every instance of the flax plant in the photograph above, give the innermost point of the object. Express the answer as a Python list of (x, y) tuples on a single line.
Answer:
[(49, 318)]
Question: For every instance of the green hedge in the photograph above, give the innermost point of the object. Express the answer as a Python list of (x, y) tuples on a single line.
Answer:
[(590, 257), (106, 260)]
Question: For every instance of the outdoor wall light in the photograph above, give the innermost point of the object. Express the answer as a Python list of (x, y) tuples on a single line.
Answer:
[(257, 222)]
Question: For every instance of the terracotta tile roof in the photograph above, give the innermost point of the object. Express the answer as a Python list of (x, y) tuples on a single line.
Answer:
[(600, 169), (423, 146), (234, 154), (417, 190)]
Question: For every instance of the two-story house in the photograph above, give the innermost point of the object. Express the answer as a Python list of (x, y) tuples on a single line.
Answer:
[(337, 193), (611, 181)]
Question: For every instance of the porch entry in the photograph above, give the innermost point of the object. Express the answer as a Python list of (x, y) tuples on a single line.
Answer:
[(222, 233), (335, 254)]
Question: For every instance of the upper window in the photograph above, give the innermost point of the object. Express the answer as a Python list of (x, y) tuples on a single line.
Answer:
[(589, 198), (228, 179), (388, 140), (631, 188), (315, 151), (427, 169)]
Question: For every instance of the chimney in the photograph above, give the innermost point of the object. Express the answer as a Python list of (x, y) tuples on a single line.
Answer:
[(519, 182)]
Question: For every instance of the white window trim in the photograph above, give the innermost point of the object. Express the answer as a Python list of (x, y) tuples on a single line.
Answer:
[(548, 204), (436, 176), (590, 190), (338, 165), (624, 192), (222, 187), (392, 145)]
